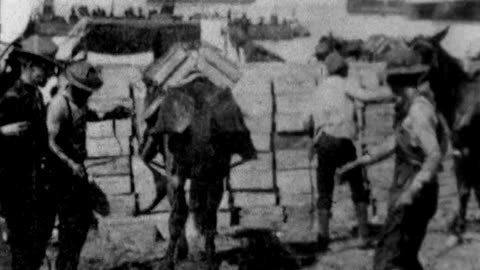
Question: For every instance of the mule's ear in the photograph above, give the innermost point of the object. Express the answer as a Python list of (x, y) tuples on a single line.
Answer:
[(438, 37)]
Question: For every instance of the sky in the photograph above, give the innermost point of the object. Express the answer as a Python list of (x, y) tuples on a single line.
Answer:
[(14, 17)]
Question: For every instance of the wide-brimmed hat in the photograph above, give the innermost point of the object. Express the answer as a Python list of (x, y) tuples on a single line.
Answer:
[(84, 76), (335, 62), (37, 49), (406, 76)]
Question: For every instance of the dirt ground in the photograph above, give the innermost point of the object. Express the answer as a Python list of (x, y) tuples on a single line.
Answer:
[(139, 242)]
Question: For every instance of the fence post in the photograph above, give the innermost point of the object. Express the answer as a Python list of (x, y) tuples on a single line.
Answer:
[(132, 150), (272, 143)]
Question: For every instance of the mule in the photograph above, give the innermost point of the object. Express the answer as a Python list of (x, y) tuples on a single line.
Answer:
[(197, 128), (457, 97)]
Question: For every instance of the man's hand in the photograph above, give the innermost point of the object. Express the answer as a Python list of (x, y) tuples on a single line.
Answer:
[(14, 129), (79, 170), (406, 198)]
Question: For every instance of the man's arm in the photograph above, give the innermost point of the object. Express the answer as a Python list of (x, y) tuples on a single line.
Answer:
[(382, 94), (56, 115), (424, 130), (376, 154)]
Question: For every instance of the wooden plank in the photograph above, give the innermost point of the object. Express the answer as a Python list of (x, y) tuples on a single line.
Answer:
[(254, 199), (260, 125), (253, 174), (296, 181), (245, 178), (123, 128), (261, 141), (105, 129), (114, 185), (293, 103), (293, 159), (107, 166), (292, 199), (105, 147), (291, 142), (290, 122), (99, 129), (122, 205)]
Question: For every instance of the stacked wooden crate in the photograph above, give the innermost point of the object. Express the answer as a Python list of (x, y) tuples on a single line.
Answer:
[(109, 148), (253, 182), (272, 97), (110, 142)]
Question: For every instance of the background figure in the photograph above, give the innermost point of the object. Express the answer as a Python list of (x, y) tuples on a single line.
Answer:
[(24, 192), (418, 145), (66, 121), (333, 110)]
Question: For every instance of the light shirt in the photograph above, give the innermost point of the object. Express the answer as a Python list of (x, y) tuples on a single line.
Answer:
[(332, 109)]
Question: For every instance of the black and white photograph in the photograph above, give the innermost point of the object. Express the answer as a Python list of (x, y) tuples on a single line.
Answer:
[(239, 134)]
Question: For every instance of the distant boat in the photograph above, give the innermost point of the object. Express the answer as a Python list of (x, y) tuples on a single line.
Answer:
[(275, 30), (375, 6), (160, 2), (457, 10)]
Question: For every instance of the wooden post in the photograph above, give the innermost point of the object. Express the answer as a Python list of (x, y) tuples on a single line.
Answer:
[(360, 109), (272, 144), (131, 150)]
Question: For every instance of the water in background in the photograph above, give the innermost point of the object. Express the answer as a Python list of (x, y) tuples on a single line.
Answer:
[(320, 16)]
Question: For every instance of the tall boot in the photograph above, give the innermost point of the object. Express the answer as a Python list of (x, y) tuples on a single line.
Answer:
[(361, 210), (323, 239)]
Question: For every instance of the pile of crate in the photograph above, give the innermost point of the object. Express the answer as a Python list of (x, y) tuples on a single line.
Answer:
[(271, 96), (110, 143)]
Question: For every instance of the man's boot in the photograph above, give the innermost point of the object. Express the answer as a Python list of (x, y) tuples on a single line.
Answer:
[(323, 239), (361, 210)]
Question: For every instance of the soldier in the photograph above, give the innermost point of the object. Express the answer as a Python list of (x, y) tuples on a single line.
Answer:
[(66, 122), (24, 143), (333, 111), (419, 143)]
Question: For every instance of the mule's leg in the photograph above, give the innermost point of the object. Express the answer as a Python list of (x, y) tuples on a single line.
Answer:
[(182, 246), (161, 188), (206, 195), (178, 216), (463, 169), (215, 194)]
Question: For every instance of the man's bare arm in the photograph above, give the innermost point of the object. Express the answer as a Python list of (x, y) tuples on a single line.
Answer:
[(376, 154), (380, 95), (55, 117)]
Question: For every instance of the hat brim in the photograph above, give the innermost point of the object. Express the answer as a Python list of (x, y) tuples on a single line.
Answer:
[(36, 57), (405, 76), (78, 84), (417, 69)]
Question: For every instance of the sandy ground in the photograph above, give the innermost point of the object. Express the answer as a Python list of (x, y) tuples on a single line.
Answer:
[(142, 240)]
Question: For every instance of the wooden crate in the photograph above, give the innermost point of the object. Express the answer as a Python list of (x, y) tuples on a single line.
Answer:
[(295, 181), (108, 147), (108, 166), (110, 128), (122, 205), (114, 185)]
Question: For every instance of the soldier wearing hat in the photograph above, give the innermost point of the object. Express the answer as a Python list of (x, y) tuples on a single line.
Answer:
[(66, 121), (419, 144), (24, 143), (333, 113)]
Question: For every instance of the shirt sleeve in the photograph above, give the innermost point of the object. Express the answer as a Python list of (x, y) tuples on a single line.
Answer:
[(423, 130)]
